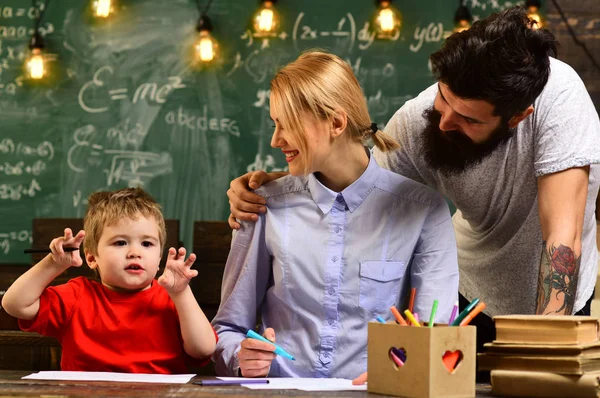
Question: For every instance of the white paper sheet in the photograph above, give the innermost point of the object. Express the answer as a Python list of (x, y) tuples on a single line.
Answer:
[(304, 384), (109, 376)]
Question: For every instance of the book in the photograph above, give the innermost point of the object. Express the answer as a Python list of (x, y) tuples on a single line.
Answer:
[(573, 365), (546, 329), (508, 383), (546, 349)]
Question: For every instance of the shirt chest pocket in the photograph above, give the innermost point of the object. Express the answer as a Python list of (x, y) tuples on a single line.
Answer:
[(379, 285)]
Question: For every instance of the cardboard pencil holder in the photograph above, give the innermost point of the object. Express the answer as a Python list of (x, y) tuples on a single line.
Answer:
[(439, 361)]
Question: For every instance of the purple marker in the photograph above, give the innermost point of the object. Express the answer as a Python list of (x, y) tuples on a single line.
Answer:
[(453, 314), (219, 382)]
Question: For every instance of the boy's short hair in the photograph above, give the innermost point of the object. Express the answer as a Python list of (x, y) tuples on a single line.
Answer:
[(107, 208)]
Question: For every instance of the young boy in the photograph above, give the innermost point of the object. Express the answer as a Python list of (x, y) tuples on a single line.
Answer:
[(129, 322)]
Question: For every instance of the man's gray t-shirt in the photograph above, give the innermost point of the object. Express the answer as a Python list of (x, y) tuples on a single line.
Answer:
[(497, 223)]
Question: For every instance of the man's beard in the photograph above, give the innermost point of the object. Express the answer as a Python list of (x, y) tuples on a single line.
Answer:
[(452, 152)]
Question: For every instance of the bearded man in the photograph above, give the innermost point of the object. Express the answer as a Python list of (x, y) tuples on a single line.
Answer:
[(511, 137)]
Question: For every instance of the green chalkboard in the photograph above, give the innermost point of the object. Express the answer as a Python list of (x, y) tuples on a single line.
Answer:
[(124, 107)]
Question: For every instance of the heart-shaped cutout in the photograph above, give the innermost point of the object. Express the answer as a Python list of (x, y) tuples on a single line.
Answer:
[(452, 360), (397, 356)]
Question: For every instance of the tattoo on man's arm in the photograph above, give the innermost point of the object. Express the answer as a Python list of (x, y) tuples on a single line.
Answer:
[(559, 273)]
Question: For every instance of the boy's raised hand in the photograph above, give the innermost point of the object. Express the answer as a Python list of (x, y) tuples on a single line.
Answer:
[(67, 259), (178, 272)]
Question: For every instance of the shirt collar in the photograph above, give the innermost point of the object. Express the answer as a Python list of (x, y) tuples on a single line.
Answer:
[(353, 195)]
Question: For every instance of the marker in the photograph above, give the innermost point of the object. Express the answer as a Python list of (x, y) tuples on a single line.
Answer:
[(47, 250), (450, 358), (399, 353), (380, 319), (465, 312), (480, 307), (411, 302), (433, 311), (219, 382), (278, 350), (396, 360), (411, 318), (398, 317), (453, 314), (416, 315)]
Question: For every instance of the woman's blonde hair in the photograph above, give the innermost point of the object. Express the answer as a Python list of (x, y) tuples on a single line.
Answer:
[(322, 84), (107, 208)]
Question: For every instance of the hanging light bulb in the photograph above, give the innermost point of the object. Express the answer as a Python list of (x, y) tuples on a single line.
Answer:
[(266, 20), (102, 8), (462, 18), (388, 21), (533, 8), (35, 62), (206, 47)]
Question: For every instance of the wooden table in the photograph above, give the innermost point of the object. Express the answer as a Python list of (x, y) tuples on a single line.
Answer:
[(12, 385)]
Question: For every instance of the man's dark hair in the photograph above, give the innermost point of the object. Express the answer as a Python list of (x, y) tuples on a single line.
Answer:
[(500, 59)]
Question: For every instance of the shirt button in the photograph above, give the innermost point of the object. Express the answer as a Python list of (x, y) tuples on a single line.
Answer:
[(330, 321), (331, 291), (334, 259), (339, 198), (337, 229), (325, 358)]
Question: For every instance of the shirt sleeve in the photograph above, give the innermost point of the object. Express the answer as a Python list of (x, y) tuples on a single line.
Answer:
[(434, 265), (245, 281), (566, 125), (56, 308)]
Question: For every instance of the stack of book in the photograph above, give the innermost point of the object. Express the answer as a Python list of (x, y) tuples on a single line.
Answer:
[(544, 356)]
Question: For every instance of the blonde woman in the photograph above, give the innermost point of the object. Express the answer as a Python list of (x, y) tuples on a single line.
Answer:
[(341, 242)]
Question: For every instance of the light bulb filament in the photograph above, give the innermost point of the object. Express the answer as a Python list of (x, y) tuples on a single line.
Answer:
[(386, 20), (102, 8), (265, 23), (35, 64)]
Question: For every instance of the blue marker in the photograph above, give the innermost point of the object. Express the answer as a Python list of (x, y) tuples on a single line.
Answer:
[(278, 350), (380, 319)]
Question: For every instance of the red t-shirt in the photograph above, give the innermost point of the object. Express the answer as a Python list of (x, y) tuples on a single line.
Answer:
[(106, 331)]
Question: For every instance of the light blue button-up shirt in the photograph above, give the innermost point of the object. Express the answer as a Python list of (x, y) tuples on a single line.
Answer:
[(319, 265)]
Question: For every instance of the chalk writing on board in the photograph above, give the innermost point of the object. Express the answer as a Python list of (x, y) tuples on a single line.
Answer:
[(263, 99), (12, 107), (381, 105), (79, 199), (20, 168), (17, 191), (366, 36), (202, 122), (495, 5), (13, 236), (127, 134), (23, 32), (477, 6), (260, 65), (134, 167), (266, 163), (249, 36), (8, 12), (44, 150), (361, 72), (432, 33), (346, 29), (144, 92)]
